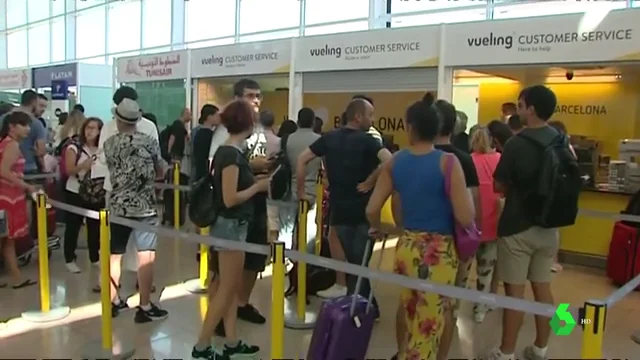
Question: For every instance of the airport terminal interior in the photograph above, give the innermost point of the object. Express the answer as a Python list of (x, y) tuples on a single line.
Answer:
[(82, 47)]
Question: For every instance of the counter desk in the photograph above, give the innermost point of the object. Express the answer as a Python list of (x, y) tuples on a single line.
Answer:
[(587, 241)]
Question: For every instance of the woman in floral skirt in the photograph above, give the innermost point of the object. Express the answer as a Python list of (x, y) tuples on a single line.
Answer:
[(417, 178)]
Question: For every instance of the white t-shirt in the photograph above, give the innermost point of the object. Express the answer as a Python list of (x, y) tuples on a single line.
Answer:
[(220, 135), (109, 129), (73, 184)]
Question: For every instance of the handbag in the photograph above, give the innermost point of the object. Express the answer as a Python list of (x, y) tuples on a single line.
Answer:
[(467, 238)]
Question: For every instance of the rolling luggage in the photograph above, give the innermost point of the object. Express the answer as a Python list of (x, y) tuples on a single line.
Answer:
[(623, 261), (344, 325), (167, 199)]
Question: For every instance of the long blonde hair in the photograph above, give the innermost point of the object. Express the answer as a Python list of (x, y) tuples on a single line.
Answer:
[(481, 141), (73, 125)]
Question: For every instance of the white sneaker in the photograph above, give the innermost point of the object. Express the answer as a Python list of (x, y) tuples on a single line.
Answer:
[(96, 264), (479, 316), (333, 292), (496, 354), (73, 268)]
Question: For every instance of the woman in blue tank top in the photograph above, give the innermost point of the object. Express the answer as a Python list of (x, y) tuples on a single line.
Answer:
[(416, 179)]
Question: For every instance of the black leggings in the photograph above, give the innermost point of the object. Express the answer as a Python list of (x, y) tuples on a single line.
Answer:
[(72, 230)]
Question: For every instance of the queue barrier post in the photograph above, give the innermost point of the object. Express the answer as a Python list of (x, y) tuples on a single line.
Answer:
[(199, 285), (593, 323), (302, 266), (297, 316), (105, 348), (319, 202), (46, 313), (176, 195), (277, 300)]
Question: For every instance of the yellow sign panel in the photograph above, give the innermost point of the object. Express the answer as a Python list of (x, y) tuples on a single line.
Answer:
[(389, 114)]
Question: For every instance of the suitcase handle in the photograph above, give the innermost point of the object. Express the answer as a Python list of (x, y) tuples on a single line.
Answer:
[(354, 299)]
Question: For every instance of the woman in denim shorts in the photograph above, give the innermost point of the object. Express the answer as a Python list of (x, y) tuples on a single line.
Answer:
[(235, 185)]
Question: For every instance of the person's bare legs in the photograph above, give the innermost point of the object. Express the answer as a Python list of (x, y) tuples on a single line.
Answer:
[(230, 264), (11, 260), (115, 273), (542, 293), (145, 275), (511, 320), (495, 282), (230, 320)]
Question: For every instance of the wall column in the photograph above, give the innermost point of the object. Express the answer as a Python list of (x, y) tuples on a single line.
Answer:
[(70, 30), (378, 16), (178, 12), (3, 36), (445, 74)]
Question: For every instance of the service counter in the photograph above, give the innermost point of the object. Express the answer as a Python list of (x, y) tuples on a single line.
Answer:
[(589, 237)]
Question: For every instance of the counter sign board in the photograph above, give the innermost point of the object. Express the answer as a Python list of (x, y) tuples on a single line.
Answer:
[(268, 57), (374, 49), (552, 39), (15, 79), (164, 66)]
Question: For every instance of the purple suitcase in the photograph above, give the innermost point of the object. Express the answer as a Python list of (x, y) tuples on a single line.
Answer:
[(344, 326)]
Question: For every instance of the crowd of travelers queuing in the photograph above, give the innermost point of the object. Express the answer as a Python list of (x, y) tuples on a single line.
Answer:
[(445, 176)]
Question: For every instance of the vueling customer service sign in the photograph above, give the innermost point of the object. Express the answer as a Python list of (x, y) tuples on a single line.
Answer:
[(376, 49), (267, 57), (550, 39)]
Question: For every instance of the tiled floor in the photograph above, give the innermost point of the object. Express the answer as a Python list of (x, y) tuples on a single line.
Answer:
[(174, 337)]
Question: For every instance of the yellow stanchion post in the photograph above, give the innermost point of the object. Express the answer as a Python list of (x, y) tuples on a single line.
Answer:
[(300, 318), (319, 201), (204, 306), (45, 314), (176, 196), (105, 280), (301, 297), (199, 285), (43, 253), (105, 347), (204, 264), (593, 323), (277, 301)]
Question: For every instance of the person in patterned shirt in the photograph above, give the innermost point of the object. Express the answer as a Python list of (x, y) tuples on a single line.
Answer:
[(133, 160)]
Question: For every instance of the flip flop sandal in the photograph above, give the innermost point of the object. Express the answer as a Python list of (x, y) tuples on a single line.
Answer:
[(24, 284), (3, 285)]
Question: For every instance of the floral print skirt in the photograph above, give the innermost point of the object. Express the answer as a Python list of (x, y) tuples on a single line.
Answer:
[(432, 257)]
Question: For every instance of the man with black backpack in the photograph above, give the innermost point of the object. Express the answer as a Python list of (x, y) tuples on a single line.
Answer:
[(538, 174)]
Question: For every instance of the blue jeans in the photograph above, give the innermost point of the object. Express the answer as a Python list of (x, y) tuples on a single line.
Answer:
[(288, 226), (354, 239)]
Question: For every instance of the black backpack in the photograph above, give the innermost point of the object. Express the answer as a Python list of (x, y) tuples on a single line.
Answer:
[(204, 206), (318, 278), (163, 140), (552, 202), (281, 179)]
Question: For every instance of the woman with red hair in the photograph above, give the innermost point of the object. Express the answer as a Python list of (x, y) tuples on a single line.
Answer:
[(235, 185)]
